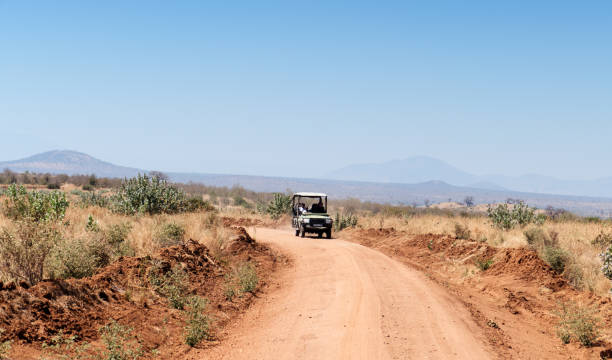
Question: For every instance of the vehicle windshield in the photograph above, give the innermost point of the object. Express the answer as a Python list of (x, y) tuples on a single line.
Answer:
[(314, 205)]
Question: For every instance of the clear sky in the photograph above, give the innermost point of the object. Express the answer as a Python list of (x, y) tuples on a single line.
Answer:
[(300, 88)]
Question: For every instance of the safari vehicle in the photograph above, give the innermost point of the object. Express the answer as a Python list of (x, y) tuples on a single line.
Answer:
[(310, 214)]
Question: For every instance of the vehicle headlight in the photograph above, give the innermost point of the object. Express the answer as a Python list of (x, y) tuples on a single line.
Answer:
[(306, 221), (328, 221)]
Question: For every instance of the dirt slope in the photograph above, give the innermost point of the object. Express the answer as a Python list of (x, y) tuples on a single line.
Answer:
[(345, 301)]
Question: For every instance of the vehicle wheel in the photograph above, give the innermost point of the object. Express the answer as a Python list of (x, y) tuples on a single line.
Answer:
[(302, 232), (328, 234), (319, 234), (297, 232)]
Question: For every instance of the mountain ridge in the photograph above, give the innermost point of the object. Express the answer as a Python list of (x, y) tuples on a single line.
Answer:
[(430, 191), (416, 169)]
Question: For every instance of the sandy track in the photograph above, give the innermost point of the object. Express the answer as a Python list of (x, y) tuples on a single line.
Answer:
[(345, 301)]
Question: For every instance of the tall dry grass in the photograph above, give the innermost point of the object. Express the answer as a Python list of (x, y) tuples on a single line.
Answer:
[(574, 236)]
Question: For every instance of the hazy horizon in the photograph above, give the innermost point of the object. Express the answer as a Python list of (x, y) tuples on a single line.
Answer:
[(303, 89)]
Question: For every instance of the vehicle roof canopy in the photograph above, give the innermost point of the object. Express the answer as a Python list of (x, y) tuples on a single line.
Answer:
[(309, 194)]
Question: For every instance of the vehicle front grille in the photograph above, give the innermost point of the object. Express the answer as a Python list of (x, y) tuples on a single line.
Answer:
[(317, 221)]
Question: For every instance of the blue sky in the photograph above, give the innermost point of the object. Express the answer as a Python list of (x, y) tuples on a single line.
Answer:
[(302, 88)]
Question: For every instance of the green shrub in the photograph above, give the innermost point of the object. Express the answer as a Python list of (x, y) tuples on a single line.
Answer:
[(555, 257), (606, 259), (35, 206), (462, 232), (506, 218), (119, 342), (198, 323), (63, 347), (194, 204), (229, 290), (344, 221), (53, 186), (174, 285), (278, 206), (602, 240), (24, 250), (92, 224), (247, 277), (145, 195), (484, 264), (578, 323), (240, 201), (78, 258), (73, 259), (117, 233), (170, 234), (87, 199)]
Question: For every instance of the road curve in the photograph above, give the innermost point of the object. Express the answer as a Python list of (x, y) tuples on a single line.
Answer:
[(345, 301)]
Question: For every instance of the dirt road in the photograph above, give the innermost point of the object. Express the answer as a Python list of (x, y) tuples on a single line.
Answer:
[(345, 301)]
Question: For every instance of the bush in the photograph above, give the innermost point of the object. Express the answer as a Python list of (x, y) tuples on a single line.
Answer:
[(606, 258), (92, 224), (278, 206), (344, 221), (170, 234), (63, 347), (145, 195), (538, 239), (87, 199), (78, 258), (35, 206), (53, 186), (484, 264), (24, 250), (174, 285), (506, 218), (462, 232), (198, 323), (117, 233), (556, 258), (73, 259), (575, 275), (194, 204), (602, 240), (119, 342), (240, 201), (578, 323), (247, 277)]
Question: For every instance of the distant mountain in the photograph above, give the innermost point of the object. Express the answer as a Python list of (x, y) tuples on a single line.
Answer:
[(408, 171), (389, 188), (421, 169), (69, 162)]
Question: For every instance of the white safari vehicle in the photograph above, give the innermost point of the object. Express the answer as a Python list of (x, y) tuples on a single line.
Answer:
[(310, 214)]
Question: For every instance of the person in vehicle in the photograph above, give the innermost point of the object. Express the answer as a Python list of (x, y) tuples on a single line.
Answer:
[(302, 208), (318, 208)]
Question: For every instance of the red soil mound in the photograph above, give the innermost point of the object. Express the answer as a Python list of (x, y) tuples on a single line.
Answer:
[(81, 306)]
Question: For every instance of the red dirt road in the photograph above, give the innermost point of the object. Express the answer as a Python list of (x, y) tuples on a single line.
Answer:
[(345, 301)]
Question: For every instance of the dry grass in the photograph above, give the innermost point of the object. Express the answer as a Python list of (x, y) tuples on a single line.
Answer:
[(204, 227), (575, 236)]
